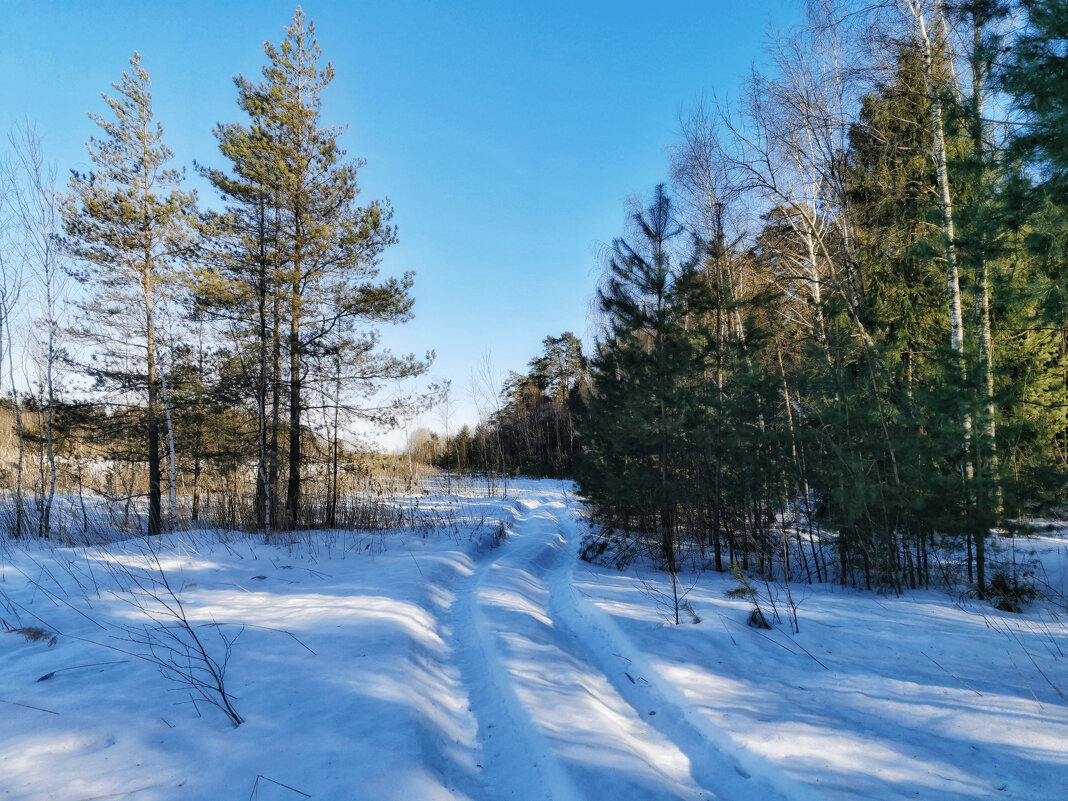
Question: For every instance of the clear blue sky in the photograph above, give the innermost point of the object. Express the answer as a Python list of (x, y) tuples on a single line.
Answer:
[(507, 135)]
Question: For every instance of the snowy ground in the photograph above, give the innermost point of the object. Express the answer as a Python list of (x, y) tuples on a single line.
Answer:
[(434, 665)]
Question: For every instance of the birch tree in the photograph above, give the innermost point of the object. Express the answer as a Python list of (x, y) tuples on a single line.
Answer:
[(11, 280), (928, 28), (37, 211)]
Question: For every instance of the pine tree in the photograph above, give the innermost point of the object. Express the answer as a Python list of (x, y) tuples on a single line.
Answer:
[(305, 243), (561, 370), (1036, 367), (1036, 74), (242, 278), (129, 221)]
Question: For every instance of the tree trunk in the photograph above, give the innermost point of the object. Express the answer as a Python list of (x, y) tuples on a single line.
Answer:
[(155, 510), (956, 319), (172, 473), (988, 455), (20, 510), (263, 485), (46, 513), (273, 452), (293, 483)]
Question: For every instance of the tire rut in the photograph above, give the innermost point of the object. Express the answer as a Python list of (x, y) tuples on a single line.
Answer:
[(509, 744), (718, 762), (552, 720)]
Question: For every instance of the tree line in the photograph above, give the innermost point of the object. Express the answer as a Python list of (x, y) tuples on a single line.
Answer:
[(529, 423), (847, 312), (236, 343)]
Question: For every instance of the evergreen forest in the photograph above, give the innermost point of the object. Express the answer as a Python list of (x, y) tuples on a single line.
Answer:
[(838, 333)]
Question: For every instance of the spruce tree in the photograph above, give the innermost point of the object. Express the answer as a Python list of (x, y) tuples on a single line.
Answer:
[(893, 185), (642, 410)]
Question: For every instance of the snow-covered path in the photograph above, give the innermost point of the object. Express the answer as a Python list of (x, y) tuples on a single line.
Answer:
[(581, 691), (562, 714)]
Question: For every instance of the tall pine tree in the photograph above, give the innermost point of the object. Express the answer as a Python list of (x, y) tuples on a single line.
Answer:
[(128, 220), (308, 242)]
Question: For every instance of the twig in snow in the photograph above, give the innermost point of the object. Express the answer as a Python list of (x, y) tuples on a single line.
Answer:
[(772, 640), (416, 563), (57, 600), (115, 795), (1056, 689), (48, 676), (1023, 647), (954, 677), (1028, 686), (256, 787), (722, 623), (27, 706), (803, 648), (268, 628)]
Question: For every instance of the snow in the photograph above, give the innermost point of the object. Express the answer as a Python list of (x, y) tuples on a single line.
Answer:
[(431, 664)]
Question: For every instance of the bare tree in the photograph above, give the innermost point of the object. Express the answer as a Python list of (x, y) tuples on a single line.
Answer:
[(445, 410), (485, 392), (700, 171), (11, 275), (37, 210)]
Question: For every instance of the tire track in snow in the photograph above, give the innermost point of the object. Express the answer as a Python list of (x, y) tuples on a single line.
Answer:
[(552, 722), (718, 760), (515, 760)]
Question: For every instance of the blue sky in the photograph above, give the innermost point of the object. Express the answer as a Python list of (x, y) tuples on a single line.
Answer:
[(507, 135)]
